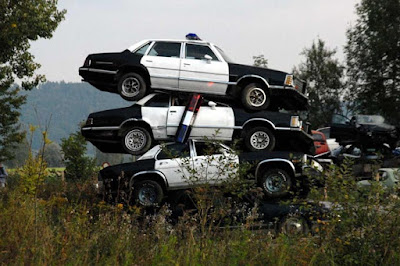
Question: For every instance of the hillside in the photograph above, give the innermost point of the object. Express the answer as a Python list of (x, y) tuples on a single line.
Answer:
[(65, 105)]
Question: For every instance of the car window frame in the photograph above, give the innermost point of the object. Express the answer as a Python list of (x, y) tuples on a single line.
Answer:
[(156, 95), (137, 49), (225, 149), (154, 43), (190, 156), (201, 44)]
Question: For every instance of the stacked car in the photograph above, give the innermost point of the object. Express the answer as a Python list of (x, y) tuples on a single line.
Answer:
[(254, 105)]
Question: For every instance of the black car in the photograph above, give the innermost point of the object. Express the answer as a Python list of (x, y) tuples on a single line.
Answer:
[(180, 166), (136, 128), (364, 130), (191, 66)]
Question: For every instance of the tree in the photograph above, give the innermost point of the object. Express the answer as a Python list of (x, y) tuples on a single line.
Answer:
[(323, 74), (260, 61), (52, 155), (373, 58), (21, 22), (110, 158), (77, 165)]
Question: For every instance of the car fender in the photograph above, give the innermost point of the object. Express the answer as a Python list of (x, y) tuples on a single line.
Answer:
[(275, 160), (141, 173), (259, 119), (253, 76)]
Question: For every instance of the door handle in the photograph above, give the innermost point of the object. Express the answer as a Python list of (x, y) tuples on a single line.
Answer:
[(149, 61), (161, 163), (173, 111), (186, 64)]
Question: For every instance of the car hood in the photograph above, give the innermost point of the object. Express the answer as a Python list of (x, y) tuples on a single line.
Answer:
[(378, 127), (107, 57)]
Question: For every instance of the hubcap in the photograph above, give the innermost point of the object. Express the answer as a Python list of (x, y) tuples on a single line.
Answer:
[(256, 97), (293, 225), (147, 195), (130, 87), (135, 140), (275, 182), (259, 140)]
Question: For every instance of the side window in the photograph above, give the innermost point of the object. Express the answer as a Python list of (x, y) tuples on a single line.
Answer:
[(142, 50), (177, 150), (194, 51), (160, 100), (180, 101), (166, 49), (208, 148)]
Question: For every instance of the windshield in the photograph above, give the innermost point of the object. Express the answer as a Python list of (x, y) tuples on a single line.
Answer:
[(222, 53), (370, 119)]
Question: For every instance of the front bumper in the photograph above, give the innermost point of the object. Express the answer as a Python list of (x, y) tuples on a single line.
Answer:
[(290, 99)]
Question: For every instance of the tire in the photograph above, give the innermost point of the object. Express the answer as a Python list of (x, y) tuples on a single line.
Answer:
[(132, 87), (294, 225), (276, 183), (148, 193), (136, 140), (255, 97), (259, 139)]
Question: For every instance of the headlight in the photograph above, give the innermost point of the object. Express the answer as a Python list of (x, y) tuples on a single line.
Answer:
[(295, 121)]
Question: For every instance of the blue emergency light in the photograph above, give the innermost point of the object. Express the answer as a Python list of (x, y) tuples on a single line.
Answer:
[(192, 36)]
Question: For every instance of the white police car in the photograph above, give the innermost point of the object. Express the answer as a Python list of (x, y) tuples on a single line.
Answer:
[(156, 117), (191, 65)]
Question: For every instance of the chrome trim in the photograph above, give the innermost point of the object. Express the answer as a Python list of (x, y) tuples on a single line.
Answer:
[(98, 70), (233, 127), (149, 172), (207, 80), (275, 160), (254, 76), (288, 128), (259, 119), (100, 128), (277, 87)]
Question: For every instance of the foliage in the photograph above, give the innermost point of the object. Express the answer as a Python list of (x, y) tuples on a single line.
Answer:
[(20, 23), (53, 156), (260, 61), (323, 74), (373, 58), (78, 167), (66, 103)]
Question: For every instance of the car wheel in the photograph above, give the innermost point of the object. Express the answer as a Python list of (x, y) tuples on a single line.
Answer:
[(148, 193), (294, 225), (255, 97), (136, 140), (276, 183), (132, 87), (259, 139)]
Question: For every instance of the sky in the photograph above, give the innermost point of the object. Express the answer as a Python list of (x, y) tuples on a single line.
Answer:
[(278, 29)]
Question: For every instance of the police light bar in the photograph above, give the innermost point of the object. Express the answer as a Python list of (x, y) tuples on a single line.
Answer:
[(188, 118), (192, 36)]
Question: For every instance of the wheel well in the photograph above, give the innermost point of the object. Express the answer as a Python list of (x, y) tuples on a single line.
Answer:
[(153, 176), (141, 71), (253, 124), (273, 165), (131, 124), (246, 81)]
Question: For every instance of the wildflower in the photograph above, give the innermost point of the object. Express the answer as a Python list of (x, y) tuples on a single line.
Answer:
[(13, 25)]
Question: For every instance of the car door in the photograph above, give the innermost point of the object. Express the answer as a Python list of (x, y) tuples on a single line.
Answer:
[(175, 161), (213, 163), (163, 62), (214, 122), (199, 74), (155, 113)]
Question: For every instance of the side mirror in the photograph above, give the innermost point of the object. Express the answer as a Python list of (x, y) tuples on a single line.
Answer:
[(212, 104), (208, 58)]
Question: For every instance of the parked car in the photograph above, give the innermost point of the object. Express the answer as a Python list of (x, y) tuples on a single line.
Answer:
[(320, 143), (332, 143), (387, 177), (181, 166), (367, 130), (191, 66), (156, 117)]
